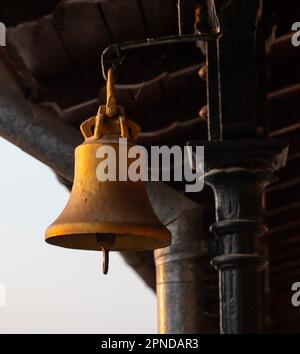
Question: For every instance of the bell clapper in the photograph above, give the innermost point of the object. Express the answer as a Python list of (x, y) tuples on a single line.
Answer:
[(106, 241), (105, 265)]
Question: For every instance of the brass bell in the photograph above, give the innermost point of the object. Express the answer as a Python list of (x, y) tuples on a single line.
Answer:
[(107, 215)]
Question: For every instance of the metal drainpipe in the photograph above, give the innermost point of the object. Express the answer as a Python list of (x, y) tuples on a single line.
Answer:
[(179, 268)]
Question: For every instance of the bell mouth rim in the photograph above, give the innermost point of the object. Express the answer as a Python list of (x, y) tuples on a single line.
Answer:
[(84, 236)]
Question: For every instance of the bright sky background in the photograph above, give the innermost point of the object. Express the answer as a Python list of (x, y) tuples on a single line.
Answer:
[(51, 289)]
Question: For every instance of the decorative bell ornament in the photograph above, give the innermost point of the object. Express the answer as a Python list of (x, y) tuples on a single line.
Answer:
[(107, 215)]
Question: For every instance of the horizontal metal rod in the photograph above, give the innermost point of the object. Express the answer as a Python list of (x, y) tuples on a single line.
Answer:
[(118, 48)]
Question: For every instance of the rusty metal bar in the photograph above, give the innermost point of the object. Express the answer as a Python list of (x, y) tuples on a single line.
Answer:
[(38, 132)]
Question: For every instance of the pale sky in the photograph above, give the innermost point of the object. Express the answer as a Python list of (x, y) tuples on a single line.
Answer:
[(51, 289)]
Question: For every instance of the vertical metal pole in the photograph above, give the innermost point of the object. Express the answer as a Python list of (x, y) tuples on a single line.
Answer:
[(215, 125)]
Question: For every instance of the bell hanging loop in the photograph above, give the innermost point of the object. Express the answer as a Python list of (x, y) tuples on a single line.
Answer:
[(111, 102)]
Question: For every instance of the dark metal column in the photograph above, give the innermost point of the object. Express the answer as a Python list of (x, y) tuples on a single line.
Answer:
[(238, 172), (237, 68), (239, 225)]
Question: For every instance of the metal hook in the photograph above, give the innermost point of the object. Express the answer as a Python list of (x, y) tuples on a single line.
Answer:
[(179, 17), (113, 55), (111, 103)]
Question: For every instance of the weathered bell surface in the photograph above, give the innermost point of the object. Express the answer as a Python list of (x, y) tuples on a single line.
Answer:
[(107, 215)]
